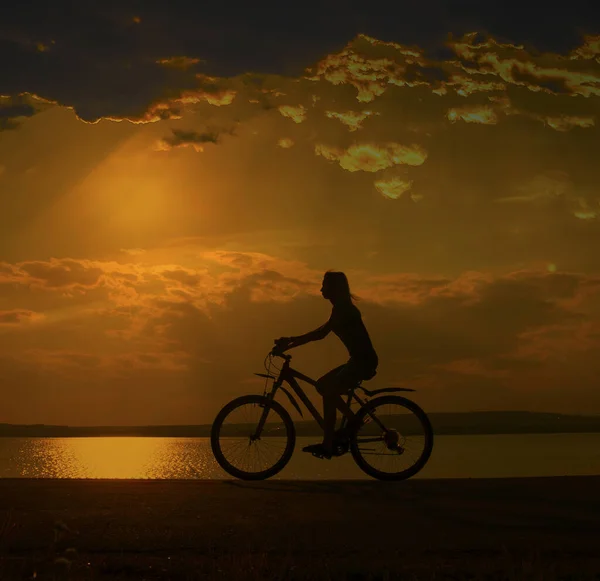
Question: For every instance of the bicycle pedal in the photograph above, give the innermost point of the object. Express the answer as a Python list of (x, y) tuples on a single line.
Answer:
[(320, 456)]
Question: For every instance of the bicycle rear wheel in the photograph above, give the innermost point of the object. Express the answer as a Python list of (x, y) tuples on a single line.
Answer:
[(393, 438), (245, 451)]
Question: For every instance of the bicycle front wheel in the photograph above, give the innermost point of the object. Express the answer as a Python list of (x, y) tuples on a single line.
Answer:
[(253, 437), (393, 439)]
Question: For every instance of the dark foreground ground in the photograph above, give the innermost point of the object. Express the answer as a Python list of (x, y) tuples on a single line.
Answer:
[(517, 529)]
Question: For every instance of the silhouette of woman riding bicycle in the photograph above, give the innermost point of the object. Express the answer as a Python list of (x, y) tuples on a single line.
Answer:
[(374, 430), (346, 322)]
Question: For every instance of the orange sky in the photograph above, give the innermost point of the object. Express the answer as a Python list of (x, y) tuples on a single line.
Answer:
[(148, 260)]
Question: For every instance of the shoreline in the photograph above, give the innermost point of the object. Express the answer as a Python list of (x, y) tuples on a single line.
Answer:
[(443, 423), (533, 432)]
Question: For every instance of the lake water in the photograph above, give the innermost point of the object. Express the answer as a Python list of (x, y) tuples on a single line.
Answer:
[(493, 456)]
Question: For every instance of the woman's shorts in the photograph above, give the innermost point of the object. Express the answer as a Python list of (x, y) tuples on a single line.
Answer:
[(345, 377), (356, 370)]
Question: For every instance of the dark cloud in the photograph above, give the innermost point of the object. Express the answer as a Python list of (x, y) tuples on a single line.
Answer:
[(182, 138), (108, 59), (184, 277), (14, 109), (9, 115), (15, 316), (61, 273)]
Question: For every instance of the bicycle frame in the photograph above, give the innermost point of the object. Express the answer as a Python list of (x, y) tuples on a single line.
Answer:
[(290, 376)]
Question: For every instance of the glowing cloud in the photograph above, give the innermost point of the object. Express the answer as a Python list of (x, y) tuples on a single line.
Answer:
[(475, 114), (393, 188), (370, 76), (513, 64), (296, 114), (465, 86), (569, 121), (352, 119), (590, 49), (285, 143), (218, 97), (179, 62), (372, 157), (542, 187), (583, 210)]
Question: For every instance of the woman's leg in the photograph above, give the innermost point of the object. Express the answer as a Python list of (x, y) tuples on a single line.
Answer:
[(331, 386)]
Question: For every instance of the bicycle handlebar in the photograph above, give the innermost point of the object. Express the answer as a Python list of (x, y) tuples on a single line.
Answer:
[(278, 353)]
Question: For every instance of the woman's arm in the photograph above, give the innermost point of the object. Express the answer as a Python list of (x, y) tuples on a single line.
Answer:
[(315, 335)]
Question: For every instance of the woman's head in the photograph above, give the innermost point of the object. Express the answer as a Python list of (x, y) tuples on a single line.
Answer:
[(335, 286)]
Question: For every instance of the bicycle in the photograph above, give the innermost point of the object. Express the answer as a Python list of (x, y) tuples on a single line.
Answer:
[(393, 436)]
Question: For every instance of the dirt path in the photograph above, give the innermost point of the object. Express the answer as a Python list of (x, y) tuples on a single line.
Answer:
[(354, 522)]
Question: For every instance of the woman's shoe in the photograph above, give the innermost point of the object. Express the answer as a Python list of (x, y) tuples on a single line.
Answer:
[(318, 450)]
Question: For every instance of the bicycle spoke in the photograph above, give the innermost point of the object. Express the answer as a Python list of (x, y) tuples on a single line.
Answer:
[(367, 440)]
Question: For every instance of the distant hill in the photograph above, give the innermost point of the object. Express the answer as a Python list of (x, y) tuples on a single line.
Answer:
[(447, 423)]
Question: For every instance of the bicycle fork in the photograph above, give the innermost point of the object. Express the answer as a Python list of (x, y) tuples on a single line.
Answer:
[(263, 417)]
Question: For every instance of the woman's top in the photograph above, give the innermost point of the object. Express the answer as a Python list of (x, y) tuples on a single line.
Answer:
[(346, 322)]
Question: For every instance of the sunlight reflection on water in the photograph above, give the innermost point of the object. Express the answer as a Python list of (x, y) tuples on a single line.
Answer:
[(191, 458), (114, 457)]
